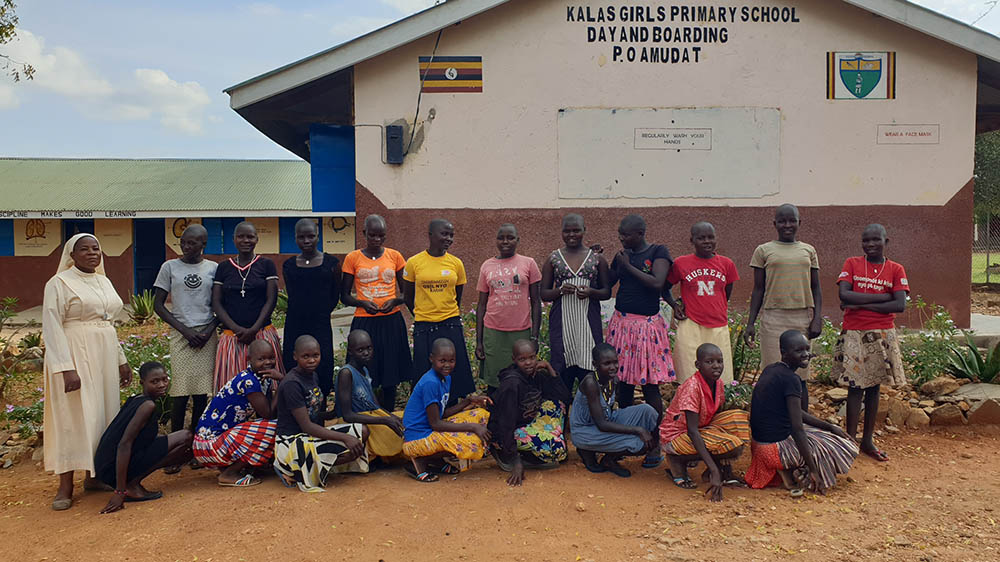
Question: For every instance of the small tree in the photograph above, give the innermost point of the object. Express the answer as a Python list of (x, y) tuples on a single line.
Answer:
[(11, 357), (8, 32)]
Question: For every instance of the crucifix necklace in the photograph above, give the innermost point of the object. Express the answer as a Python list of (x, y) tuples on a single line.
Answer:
[(239, 271)]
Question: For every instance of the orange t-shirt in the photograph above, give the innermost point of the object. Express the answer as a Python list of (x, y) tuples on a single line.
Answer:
[(374, 280)]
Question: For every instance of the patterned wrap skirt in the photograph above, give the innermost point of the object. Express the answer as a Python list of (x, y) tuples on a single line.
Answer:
[(465, 446), (643, 348), (726, 432), (867, 358), (833, 455), (308, 461), (251, 442), (543, 437), (192, 370), (232, 356), (382, 440)]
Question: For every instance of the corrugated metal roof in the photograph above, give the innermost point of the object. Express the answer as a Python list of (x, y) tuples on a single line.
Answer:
[(36, 184)]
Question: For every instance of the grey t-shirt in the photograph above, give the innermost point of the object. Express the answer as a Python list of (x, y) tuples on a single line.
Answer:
[(190, 289)]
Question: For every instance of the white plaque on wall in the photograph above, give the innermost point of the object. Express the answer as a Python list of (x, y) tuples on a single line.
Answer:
[(669, 153)]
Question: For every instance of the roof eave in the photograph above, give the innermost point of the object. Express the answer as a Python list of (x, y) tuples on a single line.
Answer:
[(357, 50)]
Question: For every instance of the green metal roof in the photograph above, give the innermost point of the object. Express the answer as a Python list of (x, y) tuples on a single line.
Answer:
[(36, 184)]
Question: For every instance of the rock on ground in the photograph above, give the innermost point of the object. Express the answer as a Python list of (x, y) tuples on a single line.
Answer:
[(917, 419), (947, 414), (940, 385), (836, 394), (898, 412), (986, 412)]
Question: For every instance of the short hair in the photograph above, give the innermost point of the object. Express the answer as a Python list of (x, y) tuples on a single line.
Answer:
[(196, 229), (304, 340), (701, 224), (787, 338), (437, 224), (373, 219), (306, 222), (242, 224), (149, 367), (353, 337), (522, 341), (879, 227), (602, 349), (705, 348), (256, 346), (633, 222), (786, 208), (442, 344), (572, 217), (509, 225)]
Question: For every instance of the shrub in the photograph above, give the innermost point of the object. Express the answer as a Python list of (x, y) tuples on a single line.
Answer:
[(822, 349), (928, 353), (281, 310), (967, 362), (138, 350), (737, 396), (746, 359), (31, 339), (141, 307), (12, 358)]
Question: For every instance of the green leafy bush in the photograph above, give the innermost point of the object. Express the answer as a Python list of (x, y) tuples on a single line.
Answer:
[(746, 359), (737, 396), (280, 310), (138, 350), (31, 339), (821, 365), (927, 354), (141, 307), (967, 362)]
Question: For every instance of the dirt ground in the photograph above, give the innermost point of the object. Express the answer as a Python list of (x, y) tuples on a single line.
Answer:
[(986, 299), (938, 500)]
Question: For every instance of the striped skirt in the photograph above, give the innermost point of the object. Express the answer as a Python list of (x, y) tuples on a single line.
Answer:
[(307, 461), (727, 432), (382, 440), (250, 442), (833, 455), (232, 356), (466, 446), (643, 347)]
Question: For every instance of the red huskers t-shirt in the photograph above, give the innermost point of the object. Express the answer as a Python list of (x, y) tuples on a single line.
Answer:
[(867, 277), (703, 287)]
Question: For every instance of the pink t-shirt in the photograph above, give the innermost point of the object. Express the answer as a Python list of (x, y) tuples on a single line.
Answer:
[(508, 308)]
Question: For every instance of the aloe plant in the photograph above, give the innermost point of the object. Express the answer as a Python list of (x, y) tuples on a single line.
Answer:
[(967, 362), (141, 307)]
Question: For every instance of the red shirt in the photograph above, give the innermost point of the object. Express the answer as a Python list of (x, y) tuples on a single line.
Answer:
[(867, 277), (703, 287)]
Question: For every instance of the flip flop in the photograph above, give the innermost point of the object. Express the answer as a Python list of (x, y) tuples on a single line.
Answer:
[(652, 462), (734, 483), (877, 454), (244, 482), (172, 469), (685, 483), (195, 465), (447, 468), (146, 498), (796, 492), (62, 505), (422, 477), (617, 469), (596, 469)]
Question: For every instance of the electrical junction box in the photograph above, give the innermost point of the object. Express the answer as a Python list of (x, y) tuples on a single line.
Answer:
[(394, 144)]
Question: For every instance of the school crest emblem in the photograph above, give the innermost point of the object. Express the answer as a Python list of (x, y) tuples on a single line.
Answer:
[(861, 75)]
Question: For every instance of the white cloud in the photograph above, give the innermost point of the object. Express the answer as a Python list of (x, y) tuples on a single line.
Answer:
[(147, 94), (264, 9), (57, 69), (349, 28), (410, 6), (8, 97)]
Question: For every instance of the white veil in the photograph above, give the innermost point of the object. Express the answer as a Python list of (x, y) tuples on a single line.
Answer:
[(66, 261)]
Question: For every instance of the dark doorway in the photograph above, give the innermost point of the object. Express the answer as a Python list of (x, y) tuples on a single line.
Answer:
[(72, 227), (149, 251)]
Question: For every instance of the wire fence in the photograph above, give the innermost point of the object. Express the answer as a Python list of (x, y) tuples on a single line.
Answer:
[(986, 248)]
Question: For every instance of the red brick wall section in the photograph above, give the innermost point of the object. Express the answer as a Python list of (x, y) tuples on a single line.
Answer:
[(25, 277), (934, 243)]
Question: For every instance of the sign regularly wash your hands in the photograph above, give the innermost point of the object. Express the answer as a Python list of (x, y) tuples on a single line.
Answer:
[(669, 34)]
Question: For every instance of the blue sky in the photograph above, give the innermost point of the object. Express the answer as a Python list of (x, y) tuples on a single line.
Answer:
[(144, 79)]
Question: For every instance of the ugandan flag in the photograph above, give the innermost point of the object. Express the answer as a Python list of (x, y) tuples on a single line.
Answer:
[(451, 74)]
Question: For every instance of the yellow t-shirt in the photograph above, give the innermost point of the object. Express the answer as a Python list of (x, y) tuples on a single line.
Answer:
[(788, 268), (435, 280)]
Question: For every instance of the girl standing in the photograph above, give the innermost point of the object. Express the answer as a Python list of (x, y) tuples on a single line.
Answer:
[(84, 363), (873, 290), (312, 280), (575, 280), (375, 273), (433, 283), (243, 297)]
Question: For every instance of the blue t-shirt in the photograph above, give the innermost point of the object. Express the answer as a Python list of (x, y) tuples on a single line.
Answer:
[(430, 389), (230, 406)]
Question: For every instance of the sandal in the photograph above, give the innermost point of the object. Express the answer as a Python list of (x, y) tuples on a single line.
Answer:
[(796, 492), (244, 482), (877, 454), (195, 465), (422, 477), (447, 468), (614, 468), (683, 482), (652, 462), (150, 496), (172, 469), (734, 483), (281, 477), (62, 504)]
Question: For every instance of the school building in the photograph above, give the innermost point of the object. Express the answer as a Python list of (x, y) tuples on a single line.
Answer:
[(139, 208), (488, 111)]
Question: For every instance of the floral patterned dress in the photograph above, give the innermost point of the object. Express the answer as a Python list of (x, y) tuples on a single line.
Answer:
[(527, 417)]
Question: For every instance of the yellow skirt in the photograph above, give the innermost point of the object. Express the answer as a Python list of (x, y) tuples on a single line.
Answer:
[(464, 445), (727, 431), (382, 440)]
